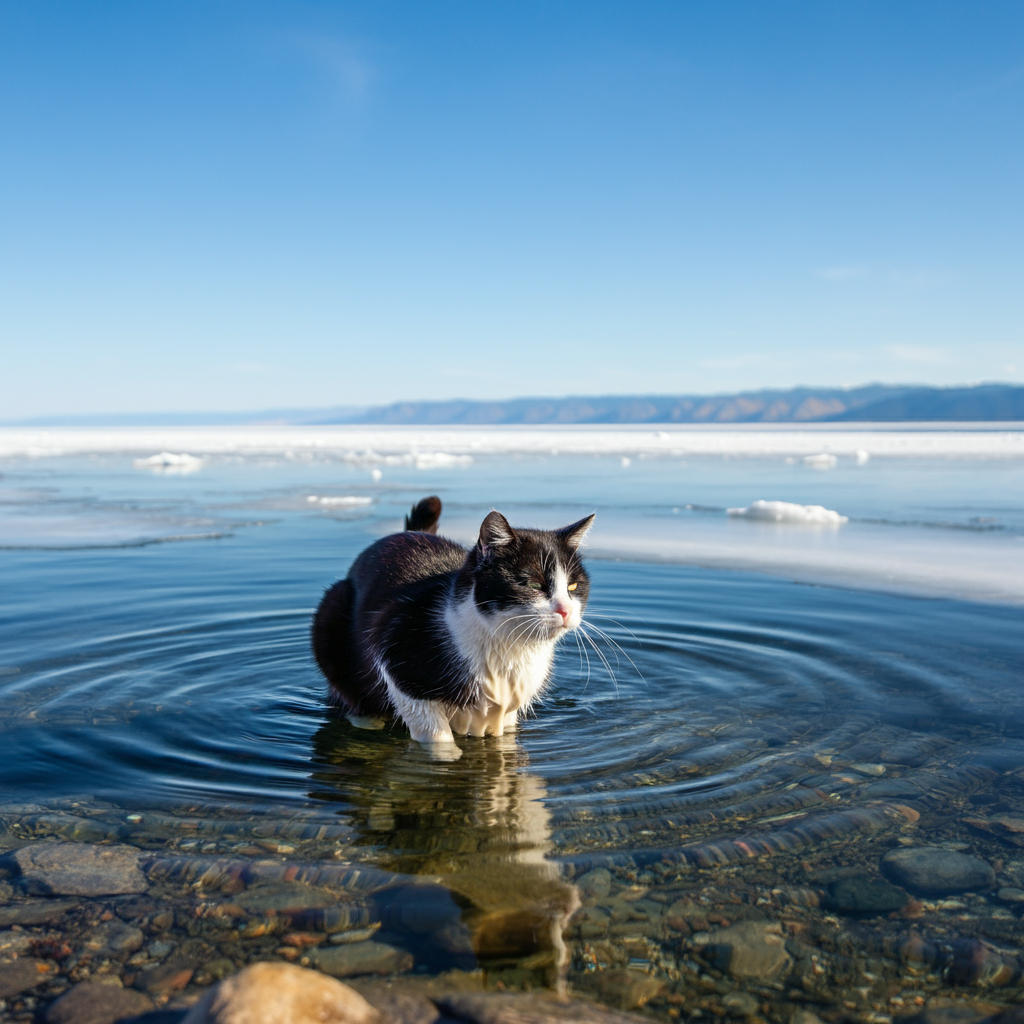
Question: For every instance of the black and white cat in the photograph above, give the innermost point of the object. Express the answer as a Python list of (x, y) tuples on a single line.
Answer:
[(450, 640)]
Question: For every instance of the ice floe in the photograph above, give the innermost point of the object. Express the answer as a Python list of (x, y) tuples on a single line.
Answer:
[(789, 512), (168, 462), (823, 460), (340, 501)]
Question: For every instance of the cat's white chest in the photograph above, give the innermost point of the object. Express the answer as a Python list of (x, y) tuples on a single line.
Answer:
[(510, 674)]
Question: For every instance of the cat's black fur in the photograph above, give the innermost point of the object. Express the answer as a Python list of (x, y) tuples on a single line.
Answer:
[(403, 615)]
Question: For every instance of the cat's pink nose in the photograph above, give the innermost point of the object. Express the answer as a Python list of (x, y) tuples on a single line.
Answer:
[(563, 611)]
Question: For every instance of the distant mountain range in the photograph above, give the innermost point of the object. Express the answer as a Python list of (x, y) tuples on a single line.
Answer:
[(875, 402), (879, 403)]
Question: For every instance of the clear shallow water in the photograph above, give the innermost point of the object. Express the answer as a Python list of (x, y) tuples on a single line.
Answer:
[(165, 694)]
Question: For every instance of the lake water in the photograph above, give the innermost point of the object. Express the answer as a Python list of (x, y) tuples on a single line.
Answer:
[(760, 713)]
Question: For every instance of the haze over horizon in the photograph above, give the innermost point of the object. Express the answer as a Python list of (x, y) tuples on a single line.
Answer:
[(237, 206)]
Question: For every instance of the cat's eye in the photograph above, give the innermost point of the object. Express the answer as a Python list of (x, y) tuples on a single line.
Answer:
[(534, 585), (572, 586)]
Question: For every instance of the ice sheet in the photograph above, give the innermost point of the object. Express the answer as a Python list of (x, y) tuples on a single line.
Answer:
[(428, 447), (869, 556), (931, 511)]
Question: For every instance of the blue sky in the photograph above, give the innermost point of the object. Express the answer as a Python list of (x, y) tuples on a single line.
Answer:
[(220, 205)]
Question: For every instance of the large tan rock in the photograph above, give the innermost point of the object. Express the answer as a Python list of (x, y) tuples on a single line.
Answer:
[(281, 994)]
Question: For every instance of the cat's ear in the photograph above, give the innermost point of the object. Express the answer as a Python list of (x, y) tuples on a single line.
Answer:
[(495, 532), (574, 533)]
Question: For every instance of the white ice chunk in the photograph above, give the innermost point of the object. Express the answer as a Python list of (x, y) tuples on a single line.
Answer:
[(169, 462), (789, 512), (339, 501), (862, 456), (434, 460), (823, 460)]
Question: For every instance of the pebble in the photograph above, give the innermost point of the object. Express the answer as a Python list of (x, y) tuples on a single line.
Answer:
[(21, 975), (213, 971), (79, 869), (346, 961), (167, 978), (1009, 894), (90, 1002), (932, 871), (114, 938), (750, 949), (159, 949), (864, 894), (281, 994), (741, 1004), (347, 938)]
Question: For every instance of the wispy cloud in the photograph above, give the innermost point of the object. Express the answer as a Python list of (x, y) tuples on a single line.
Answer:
[(841, 273), (338, 59)]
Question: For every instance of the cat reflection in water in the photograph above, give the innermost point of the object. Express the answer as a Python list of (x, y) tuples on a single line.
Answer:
[(450, 640)]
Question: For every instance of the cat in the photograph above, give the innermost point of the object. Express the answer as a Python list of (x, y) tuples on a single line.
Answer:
[(447, 639)]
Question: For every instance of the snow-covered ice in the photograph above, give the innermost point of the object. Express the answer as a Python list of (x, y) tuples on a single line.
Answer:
[(168, 462), (931, 510), (341, 500), (789, 512), (428, 447)]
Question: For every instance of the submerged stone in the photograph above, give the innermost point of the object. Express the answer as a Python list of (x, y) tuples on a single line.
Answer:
[(91, 1002), (933, 871), (750, 949), (347, 961), (284, 898), (35, 912), (595, 885), (78, 869), (864, 894), (115, 938), (21, 975), (741, 1004)]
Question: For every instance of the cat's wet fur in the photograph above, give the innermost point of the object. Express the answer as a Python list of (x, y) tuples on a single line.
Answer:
[(449, 639)]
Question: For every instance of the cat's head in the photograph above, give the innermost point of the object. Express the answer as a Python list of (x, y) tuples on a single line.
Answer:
[(530, 583)]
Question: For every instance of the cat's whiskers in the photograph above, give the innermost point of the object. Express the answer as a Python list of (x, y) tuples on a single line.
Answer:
[(583, 654), (601, 655), (598, 615), (618, 647)]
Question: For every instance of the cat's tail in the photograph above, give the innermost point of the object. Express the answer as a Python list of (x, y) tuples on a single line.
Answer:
[(424, 515)]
